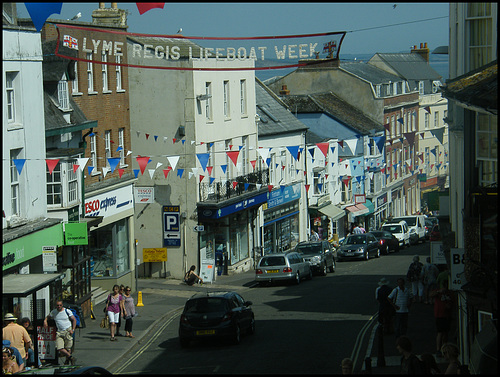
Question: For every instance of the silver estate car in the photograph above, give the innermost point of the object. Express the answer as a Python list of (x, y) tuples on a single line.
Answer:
[(282, 266)]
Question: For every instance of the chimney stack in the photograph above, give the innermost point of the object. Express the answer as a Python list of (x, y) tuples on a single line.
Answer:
[(284, 90), (423, 51), (110, 16)]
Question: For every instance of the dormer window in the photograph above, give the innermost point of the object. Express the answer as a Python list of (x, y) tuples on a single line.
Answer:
[(435, 86)]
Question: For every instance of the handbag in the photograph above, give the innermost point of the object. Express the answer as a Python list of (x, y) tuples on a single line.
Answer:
[(104, 323)]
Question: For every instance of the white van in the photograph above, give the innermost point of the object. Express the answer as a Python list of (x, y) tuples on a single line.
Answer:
[(416, 225), (400, 231)]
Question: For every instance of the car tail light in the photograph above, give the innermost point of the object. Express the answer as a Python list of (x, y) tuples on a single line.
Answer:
[(258, 271), (184, 319), (381, 242), (287, 269)]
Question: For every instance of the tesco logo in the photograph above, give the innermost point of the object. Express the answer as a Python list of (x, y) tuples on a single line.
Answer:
[(96, 205)]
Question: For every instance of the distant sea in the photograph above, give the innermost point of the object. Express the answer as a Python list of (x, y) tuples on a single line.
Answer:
[(438, 62)]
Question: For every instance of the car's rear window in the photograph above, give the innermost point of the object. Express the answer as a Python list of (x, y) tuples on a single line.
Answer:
[(206, 305), (272, 261), (355, 240), (393, 228), (411, 221), (312, 248)]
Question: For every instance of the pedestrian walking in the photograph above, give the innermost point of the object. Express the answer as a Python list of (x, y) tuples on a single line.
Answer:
[(443, 305), (190, 278), (451, 352), (357, 229), (115, 308), (410, 363), (443, 277), (26, 323), (66, 325), (430, 274), (122, 293), (400, 300), (9, 364), (430, 364), (130, 309), (17, 334), (415, 277), (385, 309)]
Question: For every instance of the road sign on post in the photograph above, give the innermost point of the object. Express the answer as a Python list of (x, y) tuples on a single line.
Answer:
[(171, 226)]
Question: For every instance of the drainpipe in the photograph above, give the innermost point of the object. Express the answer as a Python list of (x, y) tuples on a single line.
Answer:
[(83, 172)]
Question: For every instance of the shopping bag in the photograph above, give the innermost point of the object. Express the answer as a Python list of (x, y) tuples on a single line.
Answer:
[(104, 323)]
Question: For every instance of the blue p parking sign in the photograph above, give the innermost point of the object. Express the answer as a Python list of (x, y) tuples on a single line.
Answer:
[(171, 226)]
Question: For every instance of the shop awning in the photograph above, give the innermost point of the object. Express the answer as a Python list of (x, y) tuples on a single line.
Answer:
[(357, 210), (370, 206), (331, 210)]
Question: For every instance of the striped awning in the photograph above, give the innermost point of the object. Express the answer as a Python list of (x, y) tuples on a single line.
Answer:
[(358, 209)]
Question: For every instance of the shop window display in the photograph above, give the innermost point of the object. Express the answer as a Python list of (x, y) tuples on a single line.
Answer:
[(109, 250)]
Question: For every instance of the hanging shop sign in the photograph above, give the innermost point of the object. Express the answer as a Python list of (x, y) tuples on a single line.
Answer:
[(144, 195), (75, 234)]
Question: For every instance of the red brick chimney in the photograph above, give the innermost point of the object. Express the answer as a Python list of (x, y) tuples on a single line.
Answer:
[(423, 51)]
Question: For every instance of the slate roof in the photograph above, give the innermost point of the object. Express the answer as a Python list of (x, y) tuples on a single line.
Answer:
[(478, 88), (53, 66), (336, 108), (369, 72), (409, 66), (275, 118)]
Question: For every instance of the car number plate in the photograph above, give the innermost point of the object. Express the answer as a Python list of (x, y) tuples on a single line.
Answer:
[(205, 332), (272, 271)]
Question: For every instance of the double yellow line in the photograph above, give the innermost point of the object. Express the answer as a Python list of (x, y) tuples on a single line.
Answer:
[(171, 315)]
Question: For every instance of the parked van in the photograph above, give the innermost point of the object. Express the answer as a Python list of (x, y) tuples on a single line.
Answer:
[(416, 225), (400, 231)]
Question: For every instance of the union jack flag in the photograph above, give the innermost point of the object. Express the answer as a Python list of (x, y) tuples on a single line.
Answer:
[(330, 46), (70, 42)]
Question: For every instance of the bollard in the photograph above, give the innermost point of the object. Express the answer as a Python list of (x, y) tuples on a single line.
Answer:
[(139, 299), (92, 315)]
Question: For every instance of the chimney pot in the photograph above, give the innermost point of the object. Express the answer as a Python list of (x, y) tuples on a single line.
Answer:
[(425, 44), (421, 45), (101, 5), (114, 5), (284, 90)]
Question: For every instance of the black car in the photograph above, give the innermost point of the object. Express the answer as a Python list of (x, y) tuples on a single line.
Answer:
[(387, 241), (319, 254), (216, 315), (359, 246)]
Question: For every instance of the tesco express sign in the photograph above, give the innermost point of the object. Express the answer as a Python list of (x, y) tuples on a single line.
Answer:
[(110, 203)]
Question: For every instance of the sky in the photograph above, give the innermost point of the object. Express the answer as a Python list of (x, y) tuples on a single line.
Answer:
[(272, 19)]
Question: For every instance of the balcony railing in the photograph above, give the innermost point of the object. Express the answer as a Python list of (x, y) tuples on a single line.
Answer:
[(220, 191)]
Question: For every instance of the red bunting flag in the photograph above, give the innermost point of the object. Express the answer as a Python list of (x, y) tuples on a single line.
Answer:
[(51, 164), (120, 172), (147, 136), (270, 187), (143, 162), (166, 171), (174, 140), (209, 169), (253, 163), (75, 168), (234, 185), (233, 156), (307, 188), (323, 147), (201, 177), (144, 7)]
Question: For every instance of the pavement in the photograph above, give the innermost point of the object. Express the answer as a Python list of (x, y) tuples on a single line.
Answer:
[(164, 299)]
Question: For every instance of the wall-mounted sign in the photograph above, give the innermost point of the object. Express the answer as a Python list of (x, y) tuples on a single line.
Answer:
[(110, 203), (49, 258), (154, 254), (75, 234), (171, 226), (359, 199), (457, 269), (144, 194), (437, 253)]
